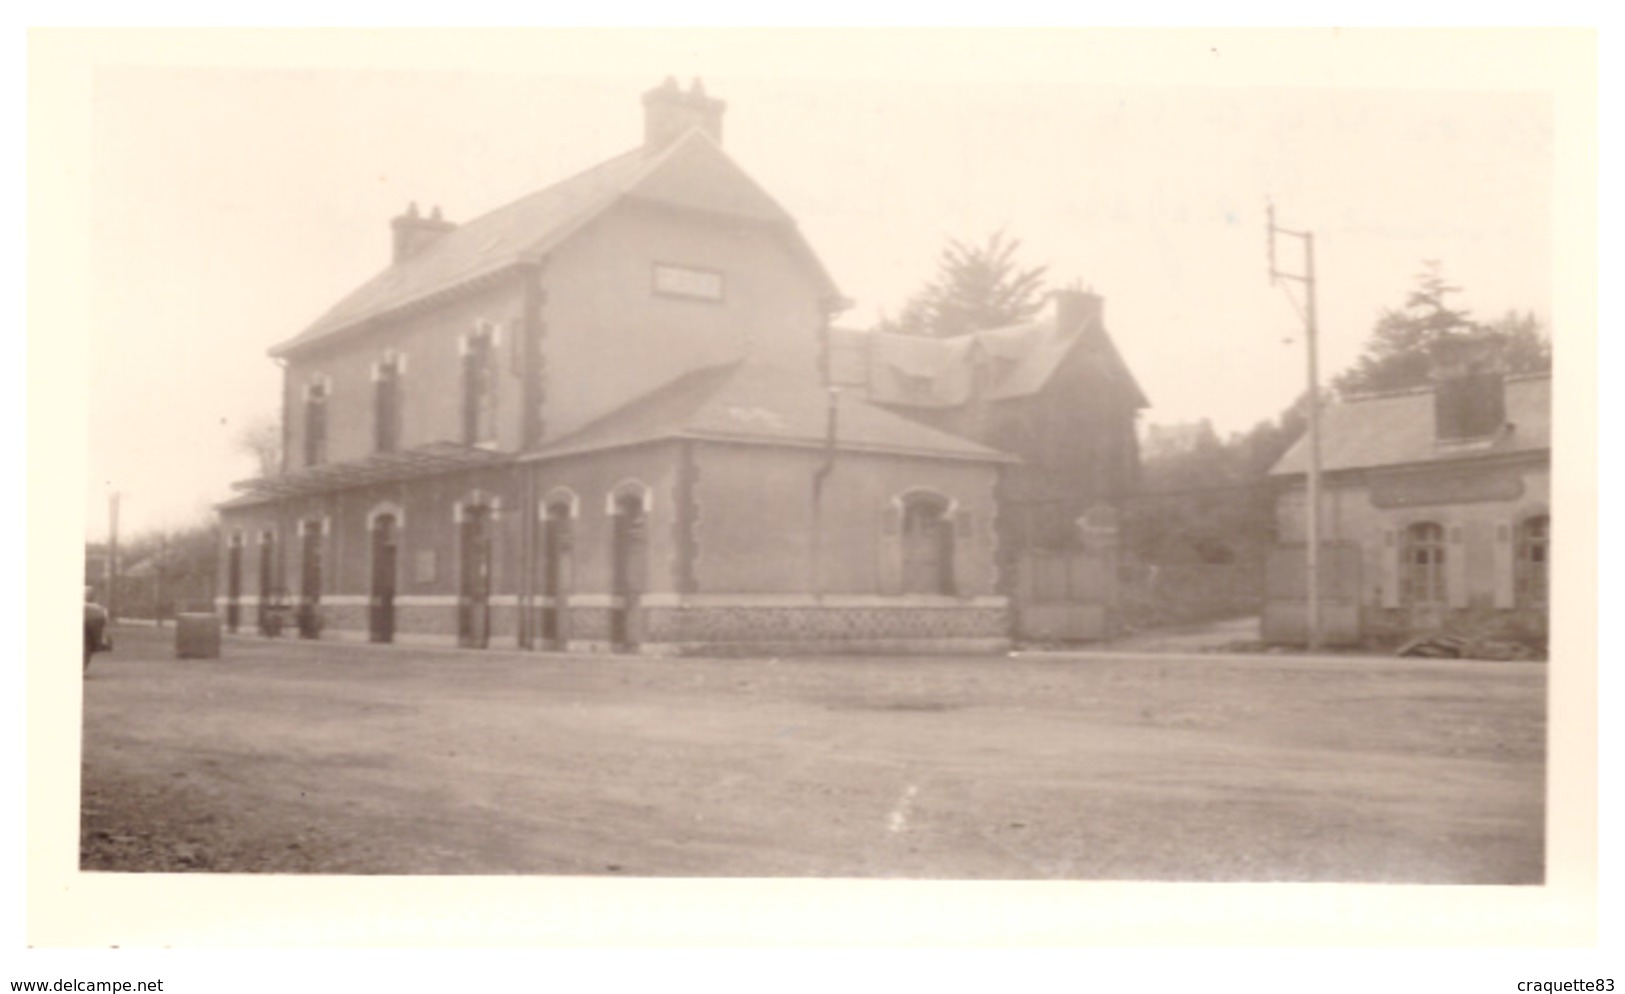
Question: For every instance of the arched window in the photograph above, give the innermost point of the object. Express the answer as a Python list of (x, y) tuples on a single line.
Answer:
[(1422, 581), (928, 544), (1530, 577)]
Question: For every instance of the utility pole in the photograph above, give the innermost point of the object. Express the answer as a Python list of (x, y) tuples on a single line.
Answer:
[(1312, 517)]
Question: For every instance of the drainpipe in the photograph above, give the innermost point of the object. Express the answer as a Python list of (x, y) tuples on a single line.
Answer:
[(819, 476), (531, 330), (829, 307)]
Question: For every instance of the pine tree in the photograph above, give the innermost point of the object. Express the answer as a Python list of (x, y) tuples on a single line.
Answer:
[(976, 287), (1400, 352)]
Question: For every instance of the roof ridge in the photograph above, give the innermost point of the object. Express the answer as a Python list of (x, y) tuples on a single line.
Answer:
[(577, 175), (555, 212)]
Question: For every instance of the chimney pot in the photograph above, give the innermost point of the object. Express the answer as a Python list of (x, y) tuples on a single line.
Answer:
[(413, 232), (1076, 309), (1469, 388), (669, 113)]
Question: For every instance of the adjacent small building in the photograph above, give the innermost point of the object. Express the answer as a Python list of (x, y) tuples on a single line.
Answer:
[(1435, 509), (1055, 393)]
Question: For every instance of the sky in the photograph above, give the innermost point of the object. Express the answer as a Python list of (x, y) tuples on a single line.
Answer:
[(232, 199)]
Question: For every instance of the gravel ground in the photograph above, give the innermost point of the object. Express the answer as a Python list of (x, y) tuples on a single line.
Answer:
[(289, 757)]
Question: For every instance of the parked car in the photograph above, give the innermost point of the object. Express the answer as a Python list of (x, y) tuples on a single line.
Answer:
[(97, 637)]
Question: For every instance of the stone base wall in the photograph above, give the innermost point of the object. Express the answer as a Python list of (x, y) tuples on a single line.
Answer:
[(729, 625), (716, 629)]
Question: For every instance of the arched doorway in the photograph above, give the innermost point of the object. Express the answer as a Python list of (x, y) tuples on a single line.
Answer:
[(385, 557), (474, 582), (268, 590), (310, 579), (1423, 583), (928, 545), (629, 565), (234, 582), (556, 563)]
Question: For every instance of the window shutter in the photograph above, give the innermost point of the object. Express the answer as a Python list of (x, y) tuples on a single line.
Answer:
[(1455, 568), (891, 550), (1503, 553), (1391, 551)]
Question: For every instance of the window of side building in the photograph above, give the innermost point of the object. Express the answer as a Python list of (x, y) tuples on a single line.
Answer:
[(1423, 578), (1531, 575)]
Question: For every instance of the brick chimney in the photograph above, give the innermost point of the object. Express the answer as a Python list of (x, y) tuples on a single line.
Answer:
[(1469, 388), (1076, 309), (413, 233), (669, 113)]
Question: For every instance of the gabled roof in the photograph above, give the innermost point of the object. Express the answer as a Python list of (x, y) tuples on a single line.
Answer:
[(759, 403), (1398, 429), (691, 173), (920, 372)]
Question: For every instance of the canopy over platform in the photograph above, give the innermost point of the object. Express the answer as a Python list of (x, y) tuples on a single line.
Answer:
[(383, 467)]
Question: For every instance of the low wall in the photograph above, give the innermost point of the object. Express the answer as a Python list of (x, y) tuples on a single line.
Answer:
[(723, 625)]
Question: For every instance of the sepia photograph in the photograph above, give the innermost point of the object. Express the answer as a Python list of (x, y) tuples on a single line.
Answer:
[(1097, 458)]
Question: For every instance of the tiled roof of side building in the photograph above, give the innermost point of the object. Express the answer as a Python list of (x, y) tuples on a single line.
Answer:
[(760, 403), (691, 173), (1398, 429), (913, 371)]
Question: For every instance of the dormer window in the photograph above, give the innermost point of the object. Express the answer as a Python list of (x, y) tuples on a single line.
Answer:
[(316, 395)]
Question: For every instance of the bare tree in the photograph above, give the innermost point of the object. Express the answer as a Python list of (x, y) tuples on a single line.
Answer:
[(262, 439)]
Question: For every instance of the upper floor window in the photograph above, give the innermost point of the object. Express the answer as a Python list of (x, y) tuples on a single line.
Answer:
[(316, 423), (479, 385), (386, 415), (687, 281)]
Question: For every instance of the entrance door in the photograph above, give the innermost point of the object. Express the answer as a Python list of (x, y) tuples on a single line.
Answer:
[(381, 623), (555, 549), (234, 582), (1423, 582), (474, 591), (629, 564), (310, 581), (267, 579), (928, 547)]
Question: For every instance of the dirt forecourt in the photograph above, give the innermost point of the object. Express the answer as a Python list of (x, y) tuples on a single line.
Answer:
[(300, 757)]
